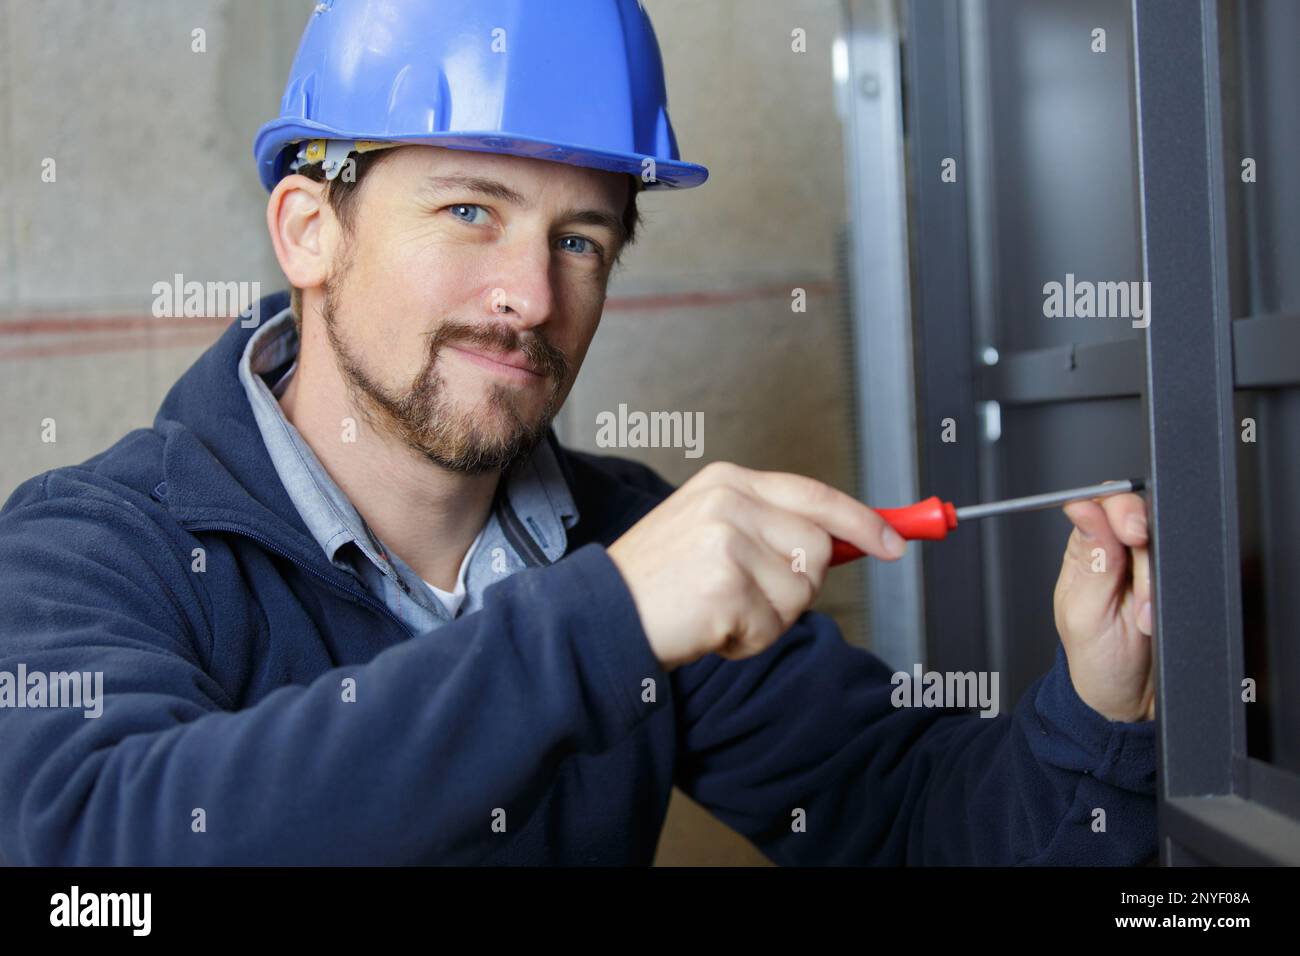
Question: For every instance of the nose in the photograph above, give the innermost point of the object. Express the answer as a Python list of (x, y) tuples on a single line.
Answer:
[(523, 290)]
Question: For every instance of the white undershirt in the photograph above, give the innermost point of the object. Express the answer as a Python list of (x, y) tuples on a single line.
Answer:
[(452, 600)]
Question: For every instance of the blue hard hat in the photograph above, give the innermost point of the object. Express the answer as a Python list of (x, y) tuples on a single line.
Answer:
[(579, 82)]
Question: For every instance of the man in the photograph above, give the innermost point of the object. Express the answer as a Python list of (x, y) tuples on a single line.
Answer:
[(353, 603)]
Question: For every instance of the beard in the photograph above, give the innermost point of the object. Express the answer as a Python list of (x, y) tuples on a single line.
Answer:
[(496, 435)]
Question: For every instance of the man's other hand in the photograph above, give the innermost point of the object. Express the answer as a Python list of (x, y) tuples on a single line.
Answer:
[(1103, 607)]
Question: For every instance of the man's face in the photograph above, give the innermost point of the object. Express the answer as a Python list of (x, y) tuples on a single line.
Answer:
[(463, 301)]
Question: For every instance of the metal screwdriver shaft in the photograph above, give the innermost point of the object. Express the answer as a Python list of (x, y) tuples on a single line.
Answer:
[(1037, 502)]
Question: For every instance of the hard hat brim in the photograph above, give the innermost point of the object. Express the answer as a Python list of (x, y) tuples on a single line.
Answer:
[(269, 149)]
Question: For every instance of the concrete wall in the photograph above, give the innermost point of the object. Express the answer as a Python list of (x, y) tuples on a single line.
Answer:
[(152, 146)]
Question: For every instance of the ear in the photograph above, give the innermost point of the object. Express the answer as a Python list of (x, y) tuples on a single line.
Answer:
[(303, 230)]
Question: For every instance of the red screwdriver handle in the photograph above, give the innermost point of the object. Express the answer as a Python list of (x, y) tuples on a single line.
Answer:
[(928, 520)]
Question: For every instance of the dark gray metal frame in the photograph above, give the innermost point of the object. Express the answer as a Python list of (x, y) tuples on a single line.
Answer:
[(1217, 805), (942, 330)]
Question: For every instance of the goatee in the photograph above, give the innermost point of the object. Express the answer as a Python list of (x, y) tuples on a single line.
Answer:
[(493, 436)]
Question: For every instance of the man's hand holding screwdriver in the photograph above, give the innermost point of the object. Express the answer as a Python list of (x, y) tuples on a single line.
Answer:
[(711, 569)]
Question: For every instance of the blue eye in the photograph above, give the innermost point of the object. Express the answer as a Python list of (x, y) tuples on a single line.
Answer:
[(590, 246), (456, 210)]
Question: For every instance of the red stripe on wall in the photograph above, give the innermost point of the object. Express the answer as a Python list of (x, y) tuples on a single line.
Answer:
[(59, 323), (132, 343)]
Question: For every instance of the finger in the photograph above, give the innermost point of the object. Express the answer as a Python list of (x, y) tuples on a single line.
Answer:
[(760, 611), (1092, 529), (788, 593), (839, 514), (802, 545), (1127, 515), (1096, 558), (1142, 589), (770, 535), (754, 622)]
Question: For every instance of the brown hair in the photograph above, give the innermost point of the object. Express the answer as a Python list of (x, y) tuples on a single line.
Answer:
[(341, 195)]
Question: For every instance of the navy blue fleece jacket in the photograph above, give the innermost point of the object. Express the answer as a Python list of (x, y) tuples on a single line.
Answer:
[(519, 734)]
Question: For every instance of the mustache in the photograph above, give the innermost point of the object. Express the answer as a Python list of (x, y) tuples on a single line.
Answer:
[(541, 356)]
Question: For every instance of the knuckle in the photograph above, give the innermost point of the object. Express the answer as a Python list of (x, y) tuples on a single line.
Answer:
[(719, 538), (720, 500), (723, 576), (1076, 547), (728, 628), (823, 495), (719, 470), (818, 546)]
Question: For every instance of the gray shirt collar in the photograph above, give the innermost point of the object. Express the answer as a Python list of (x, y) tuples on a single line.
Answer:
[(536, 490)]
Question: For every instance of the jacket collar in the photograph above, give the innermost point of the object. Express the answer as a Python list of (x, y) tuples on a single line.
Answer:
[(216, 470)]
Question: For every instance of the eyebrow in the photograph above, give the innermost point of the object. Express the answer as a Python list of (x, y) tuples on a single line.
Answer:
[(596, 217), (499, 190), (477, 184)]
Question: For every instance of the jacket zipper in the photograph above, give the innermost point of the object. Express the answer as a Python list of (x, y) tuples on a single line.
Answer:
[(270, 545)]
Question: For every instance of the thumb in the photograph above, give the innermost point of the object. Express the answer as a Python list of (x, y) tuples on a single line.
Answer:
[(1094, 569)]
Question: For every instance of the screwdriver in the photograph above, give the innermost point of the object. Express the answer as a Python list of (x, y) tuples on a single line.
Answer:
[(932, 519)]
